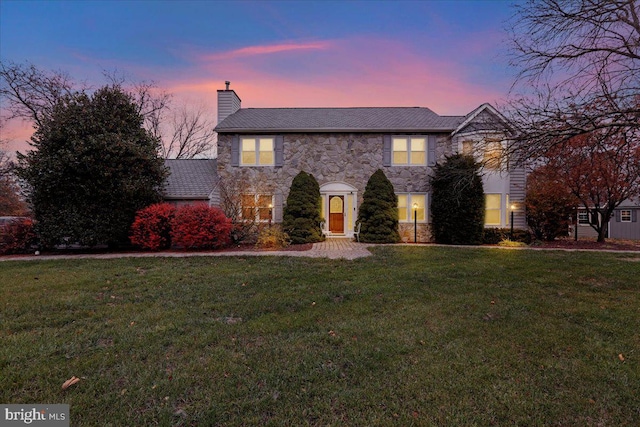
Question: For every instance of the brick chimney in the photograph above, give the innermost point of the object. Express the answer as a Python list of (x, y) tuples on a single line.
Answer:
[(228, 102)]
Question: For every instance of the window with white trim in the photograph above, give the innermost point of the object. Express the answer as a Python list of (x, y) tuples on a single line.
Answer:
[(493, 209), (407, 210), (493, 155), (257, 151), (409, 150), (257, 207), (625, 215), (583, 218)]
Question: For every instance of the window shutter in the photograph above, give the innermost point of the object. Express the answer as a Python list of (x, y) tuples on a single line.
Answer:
[(386, 150), (634, 215), (277, 208), (594, 218), (618, 213), (279, 151), (431, 154), (235, 150)]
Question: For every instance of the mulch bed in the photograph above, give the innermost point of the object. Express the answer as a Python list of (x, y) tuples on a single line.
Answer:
[(609, 244)]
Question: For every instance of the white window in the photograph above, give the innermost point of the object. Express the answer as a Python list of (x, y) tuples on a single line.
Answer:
[(583, 218), (412, 206), (258, 207), (257, 151), (409, 150), (493, 155), (493, 209), (625, 215)]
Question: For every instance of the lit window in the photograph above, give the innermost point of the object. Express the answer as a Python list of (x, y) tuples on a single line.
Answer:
[(467, 147), (257, 152), (493, 155), (412, 206), (493, 209), (625, 215), (257, 207), (409, 151)]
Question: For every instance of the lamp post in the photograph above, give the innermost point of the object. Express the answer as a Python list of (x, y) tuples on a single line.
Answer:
[(270, 213), (513, 208), (415, 223)]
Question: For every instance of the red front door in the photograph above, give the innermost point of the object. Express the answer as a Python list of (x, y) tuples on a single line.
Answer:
[(336, 214)]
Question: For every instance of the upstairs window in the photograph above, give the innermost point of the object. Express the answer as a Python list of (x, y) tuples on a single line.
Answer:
[(409, 151), (493, 155), (257, 151)]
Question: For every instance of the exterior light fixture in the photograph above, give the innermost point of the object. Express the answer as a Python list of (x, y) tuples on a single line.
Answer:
[(513, 208), (415, 223)]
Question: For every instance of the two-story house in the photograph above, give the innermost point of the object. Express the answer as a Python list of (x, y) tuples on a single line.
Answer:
[(265, 148)]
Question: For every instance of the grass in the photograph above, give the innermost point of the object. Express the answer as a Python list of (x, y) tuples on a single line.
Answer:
[(410, 336)]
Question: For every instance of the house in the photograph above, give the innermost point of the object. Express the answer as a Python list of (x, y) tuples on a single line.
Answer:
[(624, 224), (191, 181), (265, 148)]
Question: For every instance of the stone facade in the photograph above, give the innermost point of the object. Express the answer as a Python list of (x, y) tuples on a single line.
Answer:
[(349, 158)]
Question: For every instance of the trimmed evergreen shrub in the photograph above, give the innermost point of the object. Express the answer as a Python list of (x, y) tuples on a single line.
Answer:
[(457, 202), (301, 216), (151, 228), (378, 212), (200, 227)]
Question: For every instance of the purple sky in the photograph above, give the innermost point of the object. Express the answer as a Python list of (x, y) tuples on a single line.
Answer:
[(445, 55)]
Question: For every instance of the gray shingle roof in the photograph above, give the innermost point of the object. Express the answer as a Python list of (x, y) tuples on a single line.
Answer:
[(368, 119), (190, 178)]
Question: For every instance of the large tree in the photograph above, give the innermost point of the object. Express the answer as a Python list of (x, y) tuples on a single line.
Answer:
[(30, 93), (93, 166), (549, 203), (600, 171), (457, 201), (579, 72)]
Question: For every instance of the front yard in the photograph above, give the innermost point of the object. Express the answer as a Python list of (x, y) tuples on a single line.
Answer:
[(409, 336)]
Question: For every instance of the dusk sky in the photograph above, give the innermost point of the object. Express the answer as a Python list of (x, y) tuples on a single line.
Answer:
[(445, 55)]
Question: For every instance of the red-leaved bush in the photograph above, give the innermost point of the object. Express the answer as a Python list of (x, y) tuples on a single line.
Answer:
[(17, 237), (200, 227), (152, 227)]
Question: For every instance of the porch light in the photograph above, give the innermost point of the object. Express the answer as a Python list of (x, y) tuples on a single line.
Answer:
[(270, 213)]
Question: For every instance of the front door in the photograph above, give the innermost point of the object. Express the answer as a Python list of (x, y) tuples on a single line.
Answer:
[(336, 214)]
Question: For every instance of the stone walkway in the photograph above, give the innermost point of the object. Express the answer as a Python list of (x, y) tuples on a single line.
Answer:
[(330, 248)]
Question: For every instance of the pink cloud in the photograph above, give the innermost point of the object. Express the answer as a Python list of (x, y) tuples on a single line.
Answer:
[(264, 50)]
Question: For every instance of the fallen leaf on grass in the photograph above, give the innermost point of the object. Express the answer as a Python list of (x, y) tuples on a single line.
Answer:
[(71, 381), (621, 357)]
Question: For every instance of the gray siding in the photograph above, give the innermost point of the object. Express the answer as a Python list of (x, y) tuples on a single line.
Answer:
[(228, 103), (517, 191), (625, 230)]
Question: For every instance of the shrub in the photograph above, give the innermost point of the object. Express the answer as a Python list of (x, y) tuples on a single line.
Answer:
[(378, 212), (511, 244), (151, 228), (549, 204), (272, 238), (493, 236), (301, 216), (17, 237), (200, 227), (457, 203)]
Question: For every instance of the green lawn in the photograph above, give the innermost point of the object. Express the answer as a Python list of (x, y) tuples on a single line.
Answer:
[(410, 336)]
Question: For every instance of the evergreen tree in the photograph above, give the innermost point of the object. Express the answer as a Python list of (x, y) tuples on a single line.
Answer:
[(457, 201), (301, 217), (378, 212), (93, 167)]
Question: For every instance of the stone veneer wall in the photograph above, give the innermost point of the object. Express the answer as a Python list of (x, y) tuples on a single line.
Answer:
[(329, 157)]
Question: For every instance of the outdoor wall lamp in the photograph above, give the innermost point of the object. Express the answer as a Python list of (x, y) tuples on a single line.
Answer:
[(270, 213)]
